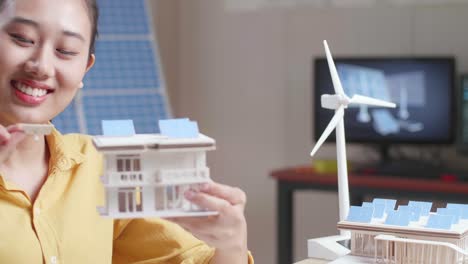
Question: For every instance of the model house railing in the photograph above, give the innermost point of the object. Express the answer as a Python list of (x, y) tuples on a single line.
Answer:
[(182, 176), (123, 177), (395, 250), (160, 177)]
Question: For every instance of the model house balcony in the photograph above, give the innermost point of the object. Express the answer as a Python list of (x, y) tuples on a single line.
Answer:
[(182, 176), (127, 178)]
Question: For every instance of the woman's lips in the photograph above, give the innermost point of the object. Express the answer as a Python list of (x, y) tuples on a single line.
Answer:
[(25, 97)]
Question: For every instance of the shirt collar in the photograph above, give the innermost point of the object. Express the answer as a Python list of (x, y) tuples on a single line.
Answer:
[(64, 153)]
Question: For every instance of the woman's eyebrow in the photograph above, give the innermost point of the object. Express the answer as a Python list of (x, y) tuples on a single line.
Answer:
[(73, 34), (26, 21), (22, 20)]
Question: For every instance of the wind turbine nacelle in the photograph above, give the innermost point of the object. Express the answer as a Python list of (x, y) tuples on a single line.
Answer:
[(331, 101)]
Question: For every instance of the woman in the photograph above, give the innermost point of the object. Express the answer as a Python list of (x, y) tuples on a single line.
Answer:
[(49, 188)]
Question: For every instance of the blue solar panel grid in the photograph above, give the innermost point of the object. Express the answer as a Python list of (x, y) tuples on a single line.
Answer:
[(67, 121), (128, 64), (116, 107), (123, 17)]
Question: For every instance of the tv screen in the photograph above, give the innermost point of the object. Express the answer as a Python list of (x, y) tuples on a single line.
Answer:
[(422, 88)]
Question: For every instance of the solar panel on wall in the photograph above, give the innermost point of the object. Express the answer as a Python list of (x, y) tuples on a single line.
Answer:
[(126, 81)]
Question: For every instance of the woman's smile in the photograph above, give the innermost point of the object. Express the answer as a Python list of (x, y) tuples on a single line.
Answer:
[(31, 92)]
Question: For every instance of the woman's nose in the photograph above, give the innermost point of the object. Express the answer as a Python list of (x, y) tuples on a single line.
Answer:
[(40, 66)]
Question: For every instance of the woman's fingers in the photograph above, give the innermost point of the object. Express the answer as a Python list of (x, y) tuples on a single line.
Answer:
[(207, 201), (15, 128), (15, 138), (11, 135), (4, 135), (233, 195)]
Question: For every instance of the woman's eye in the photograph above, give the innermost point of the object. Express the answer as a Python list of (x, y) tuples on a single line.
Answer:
[(67, 52), (22, 39)]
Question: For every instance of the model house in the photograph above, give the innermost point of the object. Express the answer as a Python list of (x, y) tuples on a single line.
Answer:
[(410, 234), (146, 175)]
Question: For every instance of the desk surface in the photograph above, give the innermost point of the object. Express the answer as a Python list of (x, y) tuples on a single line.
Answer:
[(307, 175)]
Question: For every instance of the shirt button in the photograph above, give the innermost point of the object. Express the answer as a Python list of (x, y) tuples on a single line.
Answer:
[(53, 260)]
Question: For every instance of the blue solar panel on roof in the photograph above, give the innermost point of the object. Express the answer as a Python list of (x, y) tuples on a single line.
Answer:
[(389, 203), (425, 207), (121, 128), (124, 65), (122, 17), (360, 214), (440, 222), (462, 209), (366, 214), (392, 218), (415, 213), (354, 213), (455, 212), (464, 214), (379, 210), (144, 110), (404, 218)]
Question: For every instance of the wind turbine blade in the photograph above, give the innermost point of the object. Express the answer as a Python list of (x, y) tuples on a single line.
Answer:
[(339, 113), (359, 99), (333, 72)]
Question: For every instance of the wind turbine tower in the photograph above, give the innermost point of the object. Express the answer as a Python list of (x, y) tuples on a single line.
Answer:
[(339, 102)]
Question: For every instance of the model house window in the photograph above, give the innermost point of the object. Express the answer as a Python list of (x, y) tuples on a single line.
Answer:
[(128, 163), (130, 200), (129, 168)]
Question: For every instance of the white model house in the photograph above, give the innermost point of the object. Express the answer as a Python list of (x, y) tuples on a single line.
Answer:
[(410, 234), (146, 175)]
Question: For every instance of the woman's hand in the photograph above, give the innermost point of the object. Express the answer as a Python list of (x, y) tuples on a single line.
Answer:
[(227, 231), (9, 137)]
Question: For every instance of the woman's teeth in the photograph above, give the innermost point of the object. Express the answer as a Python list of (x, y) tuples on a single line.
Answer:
[(31, 91)]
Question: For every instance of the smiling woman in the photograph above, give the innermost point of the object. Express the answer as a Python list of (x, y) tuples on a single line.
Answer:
[(49, 188)]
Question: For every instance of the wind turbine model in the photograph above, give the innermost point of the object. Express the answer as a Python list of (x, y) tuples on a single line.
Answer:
[(339, 102)]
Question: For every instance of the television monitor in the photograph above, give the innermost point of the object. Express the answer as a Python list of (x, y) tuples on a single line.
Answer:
[(422, 88), (462, 144)]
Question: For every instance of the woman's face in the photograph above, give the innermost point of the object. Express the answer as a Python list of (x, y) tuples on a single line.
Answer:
[(44, 54)]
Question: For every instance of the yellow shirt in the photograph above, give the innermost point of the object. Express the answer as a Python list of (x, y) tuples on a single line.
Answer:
[(63, 226)]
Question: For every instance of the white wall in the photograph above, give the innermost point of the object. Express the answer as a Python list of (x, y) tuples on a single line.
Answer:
[(246, 78)]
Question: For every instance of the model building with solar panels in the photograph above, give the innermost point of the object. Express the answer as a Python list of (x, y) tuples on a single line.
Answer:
[(146, 175), (379, 231), (409, 234)]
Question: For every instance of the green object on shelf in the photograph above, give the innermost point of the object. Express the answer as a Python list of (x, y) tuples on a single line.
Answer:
[(327, 166)]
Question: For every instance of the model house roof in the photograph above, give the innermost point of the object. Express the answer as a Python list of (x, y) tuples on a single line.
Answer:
[(176, 134), (415, 218), (151, 141)]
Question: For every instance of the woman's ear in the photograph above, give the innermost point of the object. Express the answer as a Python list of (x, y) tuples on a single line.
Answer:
[(91, 61)]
